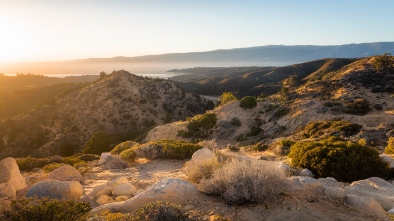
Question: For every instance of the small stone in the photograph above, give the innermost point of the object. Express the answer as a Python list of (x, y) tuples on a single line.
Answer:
[(121, 198), (118, 181), (124, 189), (104, 199)]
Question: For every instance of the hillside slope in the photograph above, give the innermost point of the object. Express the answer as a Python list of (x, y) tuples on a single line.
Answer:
[(358, 93), (253, 81), (120, 104)]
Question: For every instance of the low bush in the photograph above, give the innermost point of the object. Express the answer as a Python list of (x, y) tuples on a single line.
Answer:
[(88, 157), (235, 122), (45, 209), (357, 107), (324, 129), (51, 167), (254, 131), (100, 142), (234, 148), (202, 169), (239, 182), (248, 102), (280, 112), (167, 149), (29, 163), (345, 161), (227, 97), (390, 146), (128, 155), (123, 146), (200, 126), (71, 160), (159, 211), (260, 147), (80, 164)]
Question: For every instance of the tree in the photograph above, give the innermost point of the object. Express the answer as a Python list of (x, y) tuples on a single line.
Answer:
[(103, 74), (383, 62), (248, 102), (227, 97)]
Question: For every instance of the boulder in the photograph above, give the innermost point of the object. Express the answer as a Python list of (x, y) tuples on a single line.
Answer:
[(115, 163), (305, 183), (121, 198), (103, 190), (334, 193), (9, 173), (386, 158), (285, 168), (7, 190), (104, 199), (391, 211), (124, 189), (374, 187), (365, 203), (105, 157), (329, 182), (172, 190), (203, 154), (66, 173), (118, 181), (306, 172), (71, 190)]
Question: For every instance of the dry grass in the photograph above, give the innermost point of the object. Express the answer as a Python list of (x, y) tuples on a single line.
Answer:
[(199, 170), (241, 181)]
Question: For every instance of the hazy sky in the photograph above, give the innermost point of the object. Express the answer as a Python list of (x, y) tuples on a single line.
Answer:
[(45, 30)]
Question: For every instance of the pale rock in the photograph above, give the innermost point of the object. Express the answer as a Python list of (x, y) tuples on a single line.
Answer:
[(375, 187), (115, 163), (104, 199), (121, 198), (172, 190), (203, 154), (105, 157), (391, 211), (305, 183), (70, 190), (9, 173), (7, 190), (124, 189), (104, 190), (329, 182), (386, 158), (118, 181), (66, 173), (365, 203), (285, 168), (334, 192), (306, 172)]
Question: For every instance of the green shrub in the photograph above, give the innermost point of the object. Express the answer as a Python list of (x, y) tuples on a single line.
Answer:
[(80, 164), (357, 107), (280, 112), (29, 163), (159, 211), (316, 129), (128, 155), (167, 149), (287, 143), (248, 102), (200, 126), (71, 160), (254, 131), (239, 182), (233, 148), (235, 122), (123, 146), (45, 209), (51, 167), (196, 170), (227, 97), (345, 161), (88, 157), (390, 146), (260, 147)]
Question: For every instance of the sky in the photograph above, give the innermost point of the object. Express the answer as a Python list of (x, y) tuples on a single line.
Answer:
[(56, 30)]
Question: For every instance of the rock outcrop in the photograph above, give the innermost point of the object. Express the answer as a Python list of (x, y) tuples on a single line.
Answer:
[(71, 190), (10, 174)]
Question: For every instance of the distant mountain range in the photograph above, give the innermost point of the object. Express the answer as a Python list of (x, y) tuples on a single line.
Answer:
[(271, 55)]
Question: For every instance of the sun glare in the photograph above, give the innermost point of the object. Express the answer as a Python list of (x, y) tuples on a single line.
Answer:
[(16, 42)]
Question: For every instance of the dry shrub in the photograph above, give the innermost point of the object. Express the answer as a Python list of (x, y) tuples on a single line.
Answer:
[(198, 170), (242, 181)]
